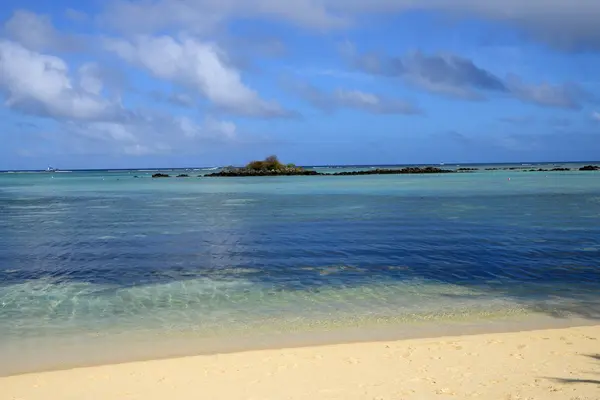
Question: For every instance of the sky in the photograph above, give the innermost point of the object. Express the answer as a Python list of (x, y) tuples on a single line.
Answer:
[(182, 83)]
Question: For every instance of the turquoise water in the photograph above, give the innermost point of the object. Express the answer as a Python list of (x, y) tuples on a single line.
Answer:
[(103, 253)]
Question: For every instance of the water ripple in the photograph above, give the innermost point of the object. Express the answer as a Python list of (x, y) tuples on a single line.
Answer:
[(82, 254)]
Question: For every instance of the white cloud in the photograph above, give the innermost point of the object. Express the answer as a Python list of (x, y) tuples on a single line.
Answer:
[(182, 99), (40, 84), (90, 78), (568, 25), (105, 131), (196, 65), (596, 116), (148, 134), (351, 98), (210, 128), (36, 32), (200, 16), (372, 103), (561, 96), (459, 77), (221, 128), (357, 98)]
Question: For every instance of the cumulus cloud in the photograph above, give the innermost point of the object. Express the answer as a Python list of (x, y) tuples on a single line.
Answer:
[(459, 77), (355, 99), (41, 85), (563, 25), (194, 64), (36, 32)]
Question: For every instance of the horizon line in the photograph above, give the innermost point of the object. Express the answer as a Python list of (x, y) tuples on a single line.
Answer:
[(309, 166)]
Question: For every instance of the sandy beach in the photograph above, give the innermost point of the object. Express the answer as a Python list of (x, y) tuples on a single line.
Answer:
[(544, 364)]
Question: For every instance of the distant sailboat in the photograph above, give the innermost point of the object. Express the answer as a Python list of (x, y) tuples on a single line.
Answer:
[(50, 169)]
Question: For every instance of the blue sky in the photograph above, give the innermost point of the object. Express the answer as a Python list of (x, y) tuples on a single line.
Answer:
[(138, 83)]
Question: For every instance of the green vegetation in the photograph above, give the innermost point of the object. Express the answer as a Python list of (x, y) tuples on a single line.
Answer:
[(271, 163), (269, 166)]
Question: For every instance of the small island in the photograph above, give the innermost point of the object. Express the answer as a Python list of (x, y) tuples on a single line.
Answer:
[(271, 166), (590, 168)]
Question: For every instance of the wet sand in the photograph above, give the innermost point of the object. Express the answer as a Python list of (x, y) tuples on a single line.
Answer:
[(543, 364)]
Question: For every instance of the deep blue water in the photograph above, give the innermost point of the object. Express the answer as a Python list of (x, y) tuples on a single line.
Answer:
[(99, 251)]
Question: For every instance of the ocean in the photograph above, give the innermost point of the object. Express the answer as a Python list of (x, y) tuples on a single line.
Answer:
[(93, 263)]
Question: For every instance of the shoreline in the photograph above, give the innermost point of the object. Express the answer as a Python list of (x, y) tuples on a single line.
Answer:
[(547, 363), (88, 351)]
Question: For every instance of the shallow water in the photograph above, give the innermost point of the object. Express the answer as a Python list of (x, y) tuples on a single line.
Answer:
[(103, 253)]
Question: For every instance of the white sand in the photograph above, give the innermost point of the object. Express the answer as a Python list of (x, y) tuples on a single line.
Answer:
[(548, 364)]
